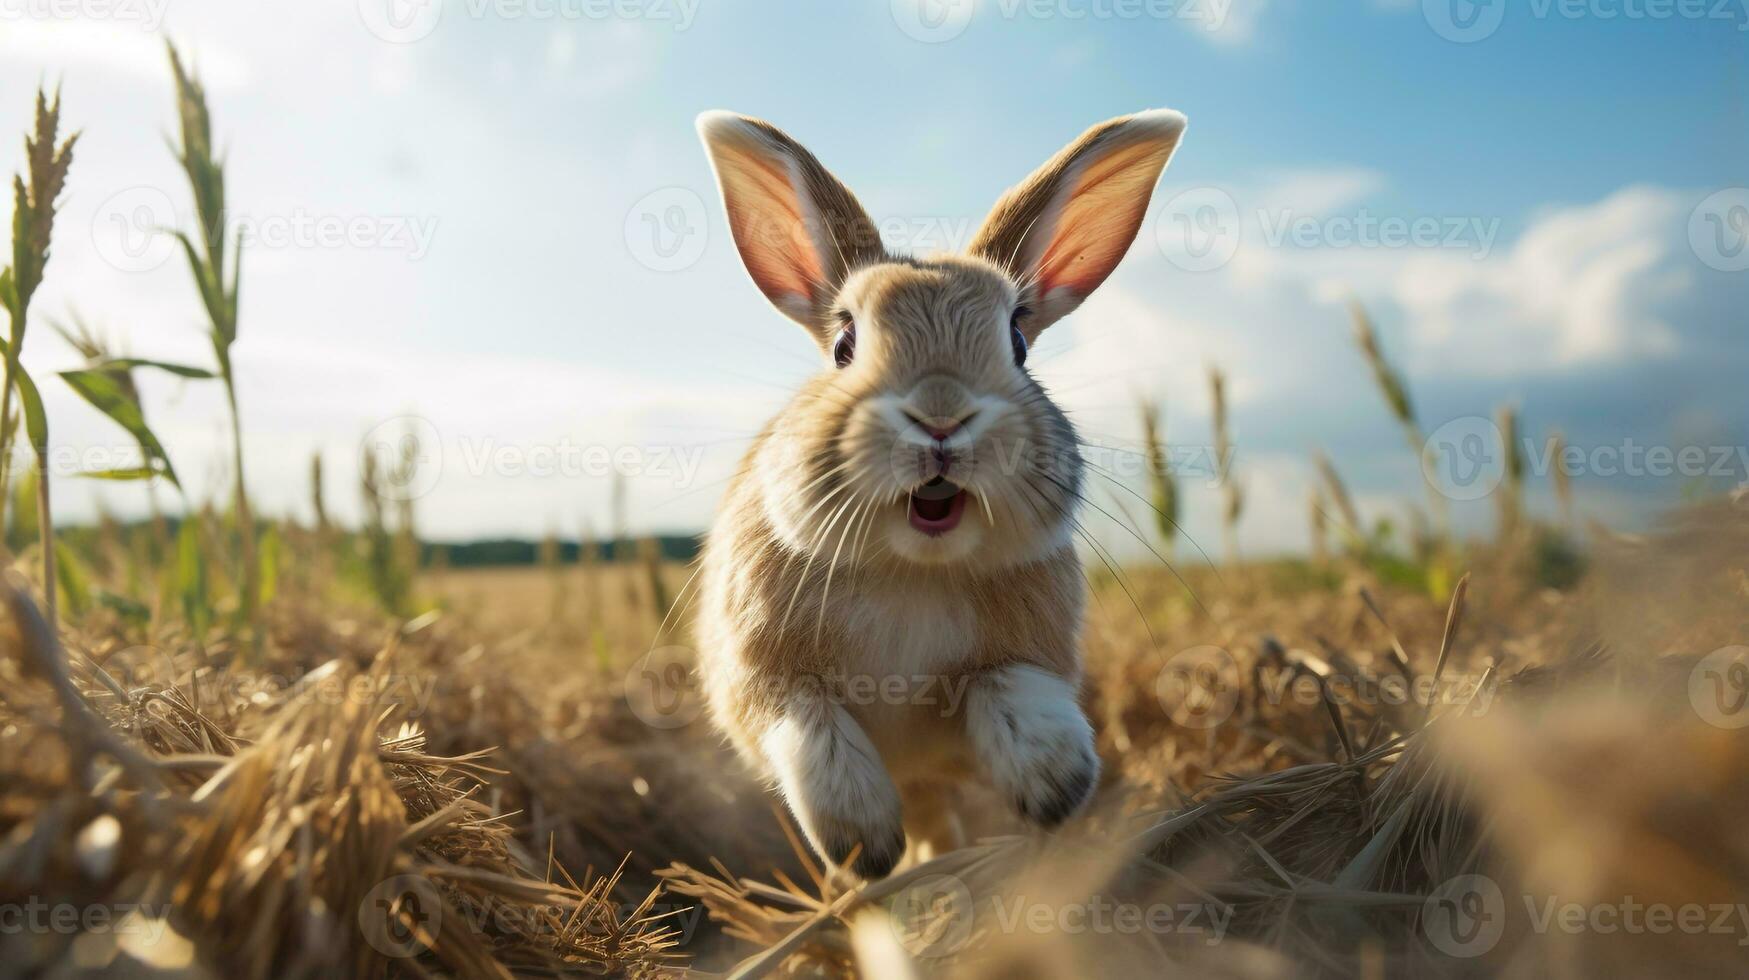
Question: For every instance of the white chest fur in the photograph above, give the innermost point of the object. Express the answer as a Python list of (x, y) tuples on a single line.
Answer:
[(904, 675), (908, 632)]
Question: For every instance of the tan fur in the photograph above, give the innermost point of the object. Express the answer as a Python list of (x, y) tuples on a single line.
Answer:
[(830, 628)]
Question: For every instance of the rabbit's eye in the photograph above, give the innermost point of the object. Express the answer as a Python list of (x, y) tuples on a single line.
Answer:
[(844, 348), (1016, 338)]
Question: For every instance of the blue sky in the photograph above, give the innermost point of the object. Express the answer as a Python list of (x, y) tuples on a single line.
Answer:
[(468, 223)]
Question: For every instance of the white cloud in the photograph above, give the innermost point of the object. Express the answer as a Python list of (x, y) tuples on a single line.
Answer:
[(1120, 346), (1598, 285), (1233, 22), (1317, 191), (1583, 285), (601, 62)]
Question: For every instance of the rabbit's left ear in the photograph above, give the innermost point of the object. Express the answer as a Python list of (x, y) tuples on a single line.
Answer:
[(1063, 230)]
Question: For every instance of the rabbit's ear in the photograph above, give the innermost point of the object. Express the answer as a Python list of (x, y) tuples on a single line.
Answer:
[(799, 230), (1064, 229)]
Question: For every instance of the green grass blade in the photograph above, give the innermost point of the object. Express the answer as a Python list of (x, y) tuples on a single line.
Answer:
[(106, 394), (71, 575), (22, 514), (129, 363), (191, 584), (211, 295), (122, 475), (270, 552), (36, 422)]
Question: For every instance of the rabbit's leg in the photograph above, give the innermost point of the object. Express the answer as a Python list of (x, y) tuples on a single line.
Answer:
[(1037, 747), (835, 784)]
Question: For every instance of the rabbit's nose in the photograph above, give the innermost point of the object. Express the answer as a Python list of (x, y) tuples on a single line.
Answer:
[(939, 406), (940, 428)]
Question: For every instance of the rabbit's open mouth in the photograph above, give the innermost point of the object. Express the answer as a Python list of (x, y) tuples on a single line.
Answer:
[(937, 506)]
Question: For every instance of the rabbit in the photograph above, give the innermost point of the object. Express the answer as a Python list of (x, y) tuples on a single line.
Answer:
[(891, 600)]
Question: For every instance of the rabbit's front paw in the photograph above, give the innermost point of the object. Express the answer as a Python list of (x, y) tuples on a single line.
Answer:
[(832, 778), (1034, 741), (882, 840)]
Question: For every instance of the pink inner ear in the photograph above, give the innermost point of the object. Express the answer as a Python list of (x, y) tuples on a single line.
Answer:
[(1099, 219), (767, 219)]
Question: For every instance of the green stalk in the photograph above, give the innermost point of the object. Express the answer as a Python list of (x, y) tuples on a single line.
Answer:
[(218, 291), (245, 520), (6, 430), (1162, 486), (33, 217), (46, 536), (1396, 394), (1232, 495)]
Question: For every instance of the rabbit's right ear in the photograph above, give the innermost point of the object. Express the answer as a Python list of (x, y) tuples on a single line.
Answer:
[(1064, 229), (799, 230)]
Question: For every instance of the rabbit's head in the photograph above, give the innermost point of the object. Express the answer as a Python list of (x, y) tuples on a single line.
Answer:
[(924, 435)]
